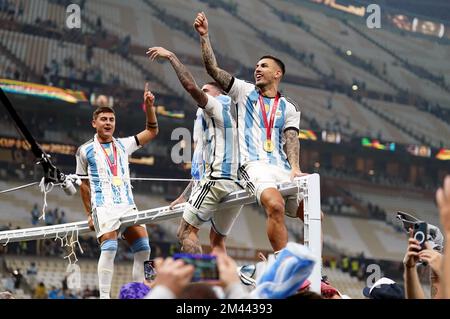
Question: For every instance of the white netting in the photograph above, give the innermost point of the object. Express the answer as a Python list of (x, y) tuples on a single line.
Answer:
[(69, 240)]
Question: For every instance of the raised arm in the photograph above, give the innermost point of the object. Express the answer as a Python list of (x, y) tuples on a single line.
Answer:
[(183, 74), (209, 59), (413, 288), (151, 127), (443, 201)]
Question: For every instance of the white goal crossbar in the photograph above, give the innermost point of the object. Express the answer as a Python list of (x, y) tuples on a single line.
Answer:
[(308, 186)]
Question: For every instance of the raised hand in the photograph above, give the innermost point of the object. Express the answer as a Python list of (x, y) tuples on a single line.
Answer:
[(443, 201), (201, 24), (158, 52), (412, 254), (177, 201), (149, 98), (433, 258), (173, 274)]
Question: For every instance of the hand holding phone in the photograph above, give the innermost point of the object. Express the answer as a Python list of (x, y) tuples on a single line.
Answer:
[(420, 233), (205, 266), (149, 270)]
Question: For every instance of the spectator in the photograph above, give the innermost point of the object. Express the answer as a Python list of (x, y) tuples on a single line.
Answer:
[(32, 272), (40, 292), (49, 220), (413, 288), (134, 290), (434, 259), (34, 215), (384, 288), (17, 278), (62, 219), (101, 101)]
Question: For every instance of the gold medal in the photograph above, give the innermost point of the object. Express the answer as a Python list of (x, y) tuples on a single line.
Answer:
[(269, 146), (116, 181)]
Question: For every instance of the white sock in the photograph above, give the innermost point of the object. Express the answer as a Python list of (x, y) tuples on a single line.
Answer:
[(138, 265), (105, 272)]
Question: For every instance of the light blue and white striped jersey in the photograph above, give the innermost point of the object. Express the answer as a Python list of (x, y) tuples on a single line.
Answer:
[(251, 128), (219, 139), (198, 164), (92, 162)]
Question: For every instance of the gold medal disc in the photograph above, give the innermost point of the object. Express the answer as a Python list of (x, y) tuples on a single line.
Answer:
[(116, 181), (268, 146)]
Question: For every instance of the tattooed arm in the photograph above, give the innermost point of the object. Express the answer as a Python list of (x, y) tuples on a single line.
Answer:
[(293, 151), (220, 76), (183, 74), (209, 59)]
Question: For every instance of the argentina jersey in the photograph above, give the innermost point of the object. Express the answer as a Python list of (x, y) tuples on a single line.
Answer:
[(198, 165), (252, 130), (91, 160), (219, 139)]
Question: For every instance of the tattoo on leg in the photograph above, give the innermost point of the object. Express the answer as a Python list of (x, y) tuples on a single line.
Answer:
[(188, 244)]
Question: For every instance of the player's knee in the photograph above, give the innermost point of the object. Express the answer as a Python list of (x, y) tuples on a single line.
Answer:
[(109, 246), (275, 208), (140, 244), (216, 239)]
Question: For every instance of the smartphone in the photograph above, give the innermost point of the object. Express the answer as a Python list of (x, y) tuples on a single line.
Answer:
[(205, 266), (420, 233), (149, 270)]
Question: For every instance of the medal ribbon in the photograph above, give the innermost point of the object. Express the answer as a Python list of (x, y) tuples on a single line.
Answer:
[(268, 125), (112, 167)]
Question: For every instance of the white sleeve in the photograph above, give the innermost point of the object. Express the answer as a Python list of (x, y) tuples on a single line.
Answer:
[(81, 163), (160, 292), (292, 117), (240, 89), (130, 143), (198, 129), (213, 108)]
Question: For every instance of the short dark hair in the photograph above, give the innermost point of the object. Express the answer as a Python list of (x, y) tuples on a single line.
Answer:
[(215, 84), (102, 109), (278, 61)]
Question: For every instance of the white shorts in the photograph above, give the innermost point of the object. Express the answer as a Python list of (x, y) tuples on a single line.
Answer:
[(107, 219), (257, 176), (203, 202)]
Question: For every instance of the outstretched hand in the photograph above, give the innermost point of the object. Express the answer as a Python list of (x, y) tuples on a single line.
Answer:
[(158, 52), (201, 24), (443, 201), (177, 201), (149, 98)]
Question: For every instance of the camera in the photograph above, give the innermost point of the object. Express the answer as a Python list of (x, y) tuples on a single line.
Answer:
[(205, 266), (420, 233), (149, 270)]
